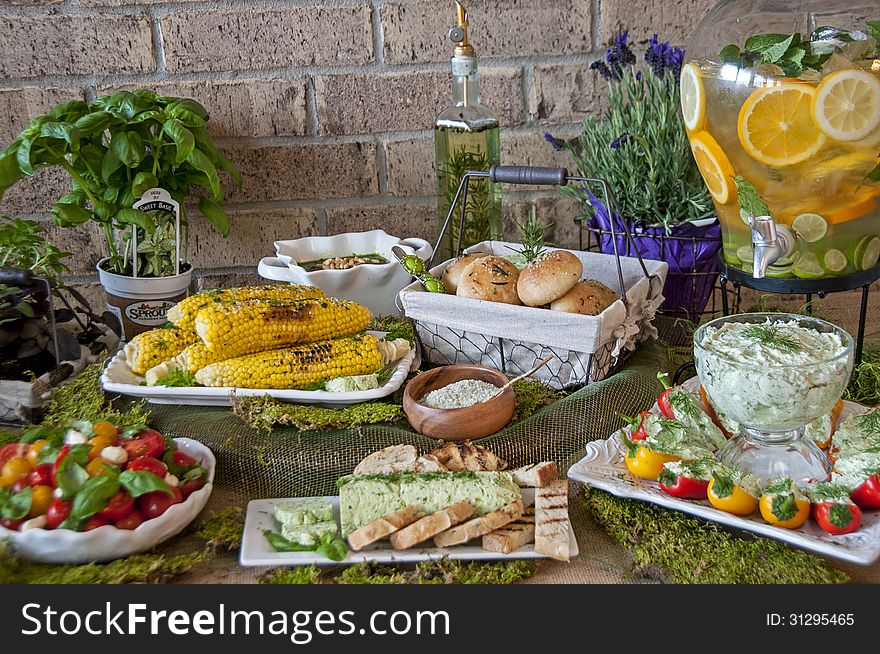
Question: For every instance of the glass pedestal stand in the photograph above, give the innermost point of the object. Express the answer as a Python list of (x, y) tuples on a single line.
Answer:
[(807, 287), (782, 454)]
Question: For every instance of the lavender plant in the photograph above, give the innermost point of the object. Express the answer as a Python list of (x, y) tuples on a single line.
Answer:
[(640, 145)]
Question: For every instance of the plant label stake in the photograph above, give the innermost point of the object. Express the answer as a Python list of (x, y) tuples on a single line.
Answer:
[(157, 199)]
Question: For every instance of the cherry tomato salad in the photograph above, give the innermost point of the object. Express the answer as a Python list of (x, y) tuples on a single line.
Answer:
[(93, 474), (676, 448)]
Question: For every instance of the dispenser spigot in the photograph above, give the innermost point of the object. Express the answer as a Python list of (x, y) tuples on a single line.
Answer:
[(771, 242)]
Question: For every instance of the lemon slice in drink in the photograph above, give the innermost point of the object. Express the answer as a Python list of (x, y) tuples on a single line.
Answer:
[(810, 226), (808, 267), (867, 253), (835, 261), (776, 127), (847, 105), (693, 98), (714, 166)]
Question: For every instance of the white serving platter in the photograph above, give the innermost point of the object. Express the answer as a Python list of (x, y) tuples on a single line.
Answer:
[(603, 467), (108, 542), (255, 549), (118, 378)]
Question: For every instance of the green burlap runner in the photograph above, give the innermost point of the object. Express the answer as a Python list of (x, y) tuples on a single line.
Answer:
[(292, 463)]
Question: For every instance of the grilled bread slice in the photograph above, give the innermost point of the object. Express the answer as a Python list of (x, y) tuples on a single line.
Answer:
[(513, 535), (536, 475), (429, 463), (552, 525), (479, 526), (431, 525), (382, 527), (467, 456), (397, 458)]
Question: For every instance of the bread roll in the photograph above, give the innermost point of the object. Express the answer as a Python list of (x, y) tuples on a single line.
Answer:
[(548, 277), (452, 274), (490, 278), (589, 298)]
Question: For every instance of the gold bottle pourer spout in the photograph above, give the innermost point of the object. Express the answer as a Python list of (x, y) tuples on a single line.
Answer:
[(459, 33)]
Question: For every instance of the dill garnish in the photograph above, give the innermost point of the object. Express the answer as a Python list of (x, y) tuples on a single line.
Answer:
[(684, 404), (870, 422), (179, 377), (770, 336)]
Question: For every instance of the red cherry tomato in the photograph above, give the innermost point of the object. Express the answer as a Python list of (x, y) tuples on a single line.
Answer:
[(119, 506), (94, 522), (11, 450), (132, 521), (191, 486), (149, 464), (41, 475), (58, 512), (149, 442), (154, 504), (21, 484), (9, 523), (65, 450), (183, 459)]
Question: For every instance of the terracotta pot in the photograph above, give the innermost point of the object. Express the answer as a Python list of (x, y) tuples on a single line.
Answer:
[(142, 303)]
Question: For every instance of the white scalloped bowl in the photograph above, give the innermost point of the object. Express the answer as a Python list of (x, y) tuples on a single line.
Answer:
[(108, 542), (373, 285)]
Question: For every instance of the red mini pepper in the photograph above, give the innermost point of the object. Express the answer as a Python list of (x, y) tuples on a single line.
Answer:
[(686, 480), (663, 401), (867, 494), (637, 425), (833, 510)]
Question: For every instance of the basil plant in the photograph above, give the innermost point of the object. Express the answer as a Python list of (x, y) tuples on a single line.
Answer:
[(114, 149)]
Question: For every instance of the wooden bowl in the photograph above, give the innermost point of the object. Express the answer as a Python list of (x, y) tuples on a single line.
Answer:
[(470, 422)]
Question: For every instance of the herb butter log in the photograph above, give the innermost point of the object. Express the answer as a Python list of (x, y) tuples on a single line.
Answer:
[(364, 498)]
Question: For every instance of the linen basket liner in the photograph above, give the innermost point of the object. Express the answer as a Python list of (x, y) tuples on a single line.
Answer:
[(454, 329), (291, 463)]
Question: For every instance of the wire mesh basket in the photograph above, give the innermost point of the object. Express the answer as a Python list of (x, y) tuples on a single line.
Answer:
[(512, 338)]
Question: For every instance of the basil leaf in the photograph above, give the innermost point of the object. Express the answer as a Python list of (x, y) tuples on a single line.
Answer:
[(134, 217), (139, 482), (110, 165), (182, 137), (775, 52), (143, 182), (873, 176), (94, 122), (730, 54), (74, 524), (334, 549), (79, 453), (69, 215), (129, 148), (763, 42), (281, 544), (51, 434), (134, 430), (214, 212), (70, 477), (94, 496), (10, 172), (48, 453), (15, 506), (199, 161), (24, 157)]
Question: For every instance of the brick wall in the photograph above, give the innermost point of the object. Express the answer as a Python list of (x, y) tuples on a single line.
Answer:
[(301, 92)]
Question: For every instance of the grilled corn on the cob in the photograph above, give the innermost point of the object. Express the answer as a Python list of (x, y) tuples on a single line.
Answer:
[(302, 366), (192, 359), (150, 348), (258, 325), (183, 314)]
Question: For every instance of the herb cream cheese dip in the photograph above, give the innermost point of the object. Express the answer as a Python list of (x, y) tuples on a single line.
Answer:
[(775, 375)]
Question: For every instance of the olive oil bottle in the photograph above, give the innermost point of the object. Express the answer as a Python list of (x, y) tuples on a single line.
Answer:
[(466, 138)]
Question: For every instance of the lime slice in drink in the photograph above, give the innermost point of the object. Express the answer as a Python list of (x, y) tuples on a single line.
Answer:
[(835, 261), (810, 226), (776, 270), (867, 252), (808, 267), (744, 216), (790, 259), (745, 253)]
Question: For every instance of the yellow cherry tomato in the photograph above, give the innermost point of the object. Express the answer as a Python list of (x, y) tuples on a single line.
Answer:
[(34, 451), (41, 498), (737, 502), (105, 429), (97, 467), (16, 467), (98, 443), (646, 463)]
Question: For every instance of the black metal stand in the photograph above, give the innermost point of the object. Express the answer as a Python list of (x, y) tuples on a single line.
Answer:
[(807, 287)]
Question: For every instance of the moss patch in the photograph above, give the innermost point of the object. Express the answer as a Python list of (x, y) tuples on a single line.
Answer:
[(308, 574), (532, 395), (223, 531), (678, 549), (263, 413), (396, 328)]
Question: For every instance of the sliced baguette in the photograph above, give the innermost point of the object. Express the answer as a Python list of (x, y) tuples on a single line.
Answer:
[(552, 525), (397, 458), (479, 526), (382, 527), (429, 463), (513, 535), (431, 525), (536, 475)]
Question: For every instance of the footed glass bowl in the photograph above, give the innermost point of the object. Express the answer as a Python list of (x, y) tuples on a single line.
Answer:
[(772, 374)]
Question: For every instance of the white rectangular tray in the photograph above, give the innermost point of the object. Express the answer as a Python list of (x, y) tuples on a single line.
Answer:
[(255, 549), (118, 378), (603, 467)]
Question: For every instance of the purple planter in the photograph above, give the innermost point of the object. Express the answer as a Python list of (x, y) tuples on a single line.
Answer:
[(690, 249)]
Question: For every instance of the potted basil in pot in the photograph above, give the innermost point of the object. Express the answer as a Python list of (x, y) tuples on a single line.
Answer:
[(122, 151)]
